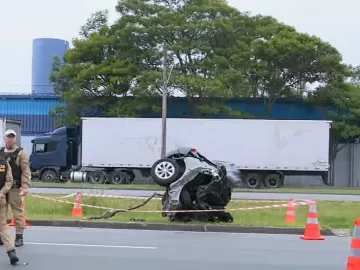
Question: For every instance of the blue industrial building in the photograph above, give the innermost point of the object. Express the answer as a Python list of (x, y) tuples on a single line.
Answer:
[(43, 52), (281, 110), (32, 110)]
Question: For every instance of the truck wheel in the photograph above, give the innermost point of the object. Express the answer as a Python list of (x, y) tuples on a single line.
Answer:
[(96, 177), (253, 180), (118, 177), (273, 180), (49, 176), (165, 171)]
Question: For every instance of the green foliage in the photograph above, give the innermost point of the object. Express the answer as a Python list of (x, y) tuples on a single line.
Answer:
[(60, 116), (343, 100), (214, 53)]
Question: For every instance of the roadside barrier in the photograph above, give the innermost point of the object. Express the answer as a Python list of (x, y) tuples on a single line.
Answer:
[(157, 197), (278, 204), (309, 234)]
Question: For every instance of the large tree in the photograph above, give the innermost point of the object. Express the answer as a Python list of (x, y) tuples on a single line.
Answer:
[(198, 36), (287, 64), (342, 99), (213, 51)]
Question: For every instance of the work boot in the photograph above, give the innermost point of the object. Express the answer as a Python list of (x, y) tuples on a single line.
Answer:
[(19, 241), (13, 258)]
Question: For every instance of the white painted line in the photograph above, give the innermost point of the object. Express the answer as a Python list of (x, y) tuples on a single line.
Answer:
[(87, 245)]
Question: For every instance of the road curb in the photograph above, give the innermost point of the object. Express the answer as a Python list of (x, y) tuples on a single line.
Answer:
[(171, 227)]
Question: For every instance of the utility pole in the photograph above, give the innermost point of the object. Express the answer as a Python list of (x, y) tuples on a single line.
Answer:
[(164, 103)]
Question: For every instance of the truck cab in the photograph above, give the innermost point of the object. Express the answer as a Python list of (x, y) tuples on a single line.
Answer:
[(54, 153)]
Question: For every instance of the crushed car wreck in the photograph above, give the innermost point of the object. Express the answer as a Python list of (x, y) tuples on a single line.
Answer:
[(192, 183)]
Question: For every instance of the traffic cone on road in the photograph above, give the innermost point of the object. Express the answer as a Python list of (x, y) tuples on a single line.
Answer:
[(12, 222), (77, 209), (290, 214), (312, 229), (353, 262)]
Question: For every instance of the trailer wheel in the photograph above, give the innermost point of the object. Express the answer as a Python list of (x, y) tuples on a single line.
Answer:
[(94, 177), (273, 180), (49, 176), (165, 171), (118, 177), (253, 180)]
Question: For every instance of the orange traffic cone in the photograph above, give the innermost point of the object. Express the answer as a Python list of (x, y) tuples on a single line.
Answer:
[(312, 229), (290, 214), (12, 222), (77, 209), (353, 262)]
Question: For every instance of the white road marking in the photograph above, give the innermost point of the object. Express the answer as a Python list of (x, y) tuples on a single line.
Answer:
[(88, 245)]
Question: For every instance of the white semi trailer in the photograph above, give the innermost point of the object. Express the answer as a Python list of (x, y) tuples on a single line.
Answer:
[(264, 151)]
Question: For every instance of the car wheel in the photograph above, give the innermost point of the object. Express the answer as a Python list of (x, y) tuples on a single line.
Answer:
[(273, 180), (165, 171), (223, 170)]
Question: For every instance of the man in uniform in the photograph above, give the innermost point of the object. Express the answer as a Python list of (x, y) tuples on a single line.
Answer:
[(19, 162), (6, 182)]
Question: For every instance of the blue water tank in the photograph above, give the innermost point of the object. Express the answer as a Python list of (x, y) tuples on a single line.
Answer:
[(43, 52)]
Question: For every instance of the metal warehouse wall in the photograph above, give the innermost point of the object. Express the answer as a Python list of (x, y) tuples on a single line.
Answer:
[(44, 51), (32, 111)]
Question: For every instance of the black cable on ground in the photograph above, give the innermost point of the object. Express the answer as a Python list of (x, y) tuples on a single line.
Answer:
[(112, 213)]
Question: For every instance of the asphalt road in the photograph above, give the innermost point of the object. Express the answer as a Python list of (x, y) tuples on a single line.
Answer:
[(93, 249), (236, 195)]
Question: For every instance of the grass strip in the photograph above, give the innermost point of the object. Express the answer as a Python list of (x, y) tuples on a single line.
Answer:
[(331, 214), (299, 190)]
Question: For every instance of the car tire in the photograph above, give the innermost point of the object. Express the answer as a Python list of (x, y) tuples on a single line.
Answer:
[(165, 171), (223, 170)]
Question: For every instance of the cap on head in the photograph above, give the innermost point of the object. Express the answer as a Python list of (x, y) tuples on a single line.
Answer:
[(10, 132)]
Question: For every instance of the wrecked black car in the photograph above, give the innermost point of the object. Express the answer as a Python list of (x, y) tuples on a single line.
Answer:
[(192, 183)]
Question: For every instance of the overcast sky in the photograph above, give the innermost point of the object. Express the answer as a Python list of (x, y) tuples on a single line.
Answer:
[(334, 21)]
